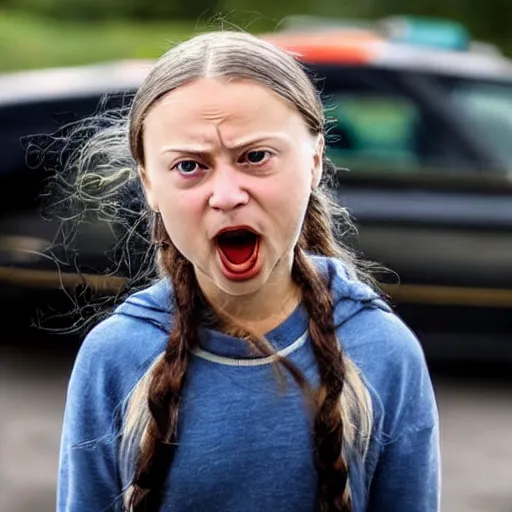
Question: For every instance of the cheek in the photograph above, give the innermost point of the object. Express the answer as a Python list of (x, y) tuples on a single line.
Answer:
[(182, 214), (288, 199)]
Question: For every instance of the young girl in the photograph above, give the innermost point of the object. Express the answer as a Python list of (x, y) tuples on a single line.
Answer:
[(261, 371)]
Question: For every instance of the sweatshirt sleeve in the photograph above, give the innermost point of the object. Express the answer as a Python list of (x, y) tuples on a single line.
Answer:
[(88, 475), (407, 474)]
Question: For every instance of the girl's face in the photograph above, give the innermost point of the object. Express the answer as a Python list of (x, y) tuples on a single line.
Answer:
[(230, 167)]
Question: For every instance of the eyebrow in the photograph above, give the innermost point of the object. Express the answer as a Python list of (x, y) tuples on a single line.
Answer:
[(239, 144), (192, 150)]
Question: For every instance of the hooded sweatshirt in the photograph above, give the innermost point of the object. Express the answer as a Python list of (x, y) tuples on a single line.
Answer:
[(245, 444)]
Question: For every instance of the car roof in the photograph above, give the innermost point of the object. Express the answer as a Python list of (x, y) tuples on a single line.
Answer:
[(355, 46), (87, 80)]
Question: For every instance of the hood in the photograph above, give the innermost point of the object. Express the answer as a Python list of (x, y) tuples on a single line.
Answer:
[(349, 294), (154, 304)]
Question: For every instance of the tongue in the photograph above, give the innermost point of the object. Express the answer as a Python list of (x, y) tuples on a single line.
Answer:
[(238, 253)]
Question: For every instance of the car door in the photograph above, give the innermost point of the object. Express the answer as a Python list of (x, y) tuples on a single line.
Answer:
[(31, 135), (425, 208)]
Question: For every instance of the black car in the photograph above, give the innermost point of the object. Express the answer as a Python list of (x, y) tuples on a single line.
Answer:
[(425, 133)]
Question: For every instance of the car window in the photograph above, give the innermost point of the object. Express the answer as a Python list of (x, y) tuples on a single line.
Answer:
[(489, 108), (373, 126), (378, 117)]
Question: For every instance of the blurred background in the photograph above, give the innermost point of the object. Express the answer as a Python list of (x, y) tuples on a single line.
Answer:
[(419, 102)]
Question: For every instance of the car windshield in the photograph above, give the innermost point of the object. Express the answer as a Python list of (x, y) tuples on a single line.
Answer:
[(488, 106)]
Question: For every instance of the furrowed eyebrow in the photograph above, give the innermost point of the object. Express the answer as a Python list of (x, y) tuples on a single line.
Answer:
[(250, 141), (192, 150), (237, 146)]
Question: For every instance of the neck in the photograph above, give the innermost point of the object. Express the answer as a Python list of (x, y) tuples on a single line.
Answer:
[(262, 311)]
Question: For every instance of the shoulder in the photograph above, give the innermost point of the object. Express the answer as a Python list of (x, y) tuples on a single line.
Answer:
[(117, 351), (112, 359), (135, 330), (378, 334), (387, 354), (120, 341), (368, 327)]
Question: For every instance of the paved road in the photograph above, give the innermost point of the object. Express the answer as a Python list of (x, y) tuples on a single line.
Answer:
[(476, 435)]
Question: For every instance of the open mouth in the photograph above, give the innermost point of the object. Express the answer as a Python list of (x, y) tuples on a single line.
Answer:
[(238, 249)]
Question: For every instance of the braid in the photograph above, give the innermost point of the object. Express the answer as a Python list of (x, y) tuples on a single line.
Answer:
[(328, 230), (332, 469), (158, 446), (317, 237), (318, 232)]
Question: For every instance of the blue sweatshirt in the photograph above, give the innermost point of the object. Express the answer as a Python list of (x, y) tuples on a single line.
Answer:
[(243, 445)]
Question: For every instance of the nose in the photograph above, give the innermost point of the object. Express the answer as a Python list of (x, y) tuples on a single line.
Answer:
[(227, 191)]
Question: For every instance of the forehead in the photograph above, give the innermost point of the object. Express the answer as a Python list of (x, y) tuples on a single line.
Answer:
[(234, 104)]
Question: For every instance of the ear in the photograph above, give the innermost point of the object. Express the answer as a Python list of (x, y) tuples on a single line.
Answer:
[(146, 185), (318, 162)]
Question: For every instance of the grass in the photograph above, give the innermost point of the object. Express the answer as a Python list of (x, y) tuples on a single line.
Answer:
[(28, 42)]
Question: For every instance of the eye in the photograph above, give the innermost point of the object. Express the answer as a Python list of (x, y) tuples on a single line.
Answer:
[(256, 157), (187, 167)]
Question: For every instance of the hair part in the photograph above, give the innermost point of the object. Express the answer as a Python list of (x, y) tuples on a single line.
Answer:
[(229, 55)]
